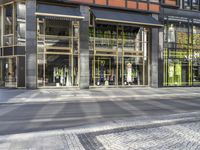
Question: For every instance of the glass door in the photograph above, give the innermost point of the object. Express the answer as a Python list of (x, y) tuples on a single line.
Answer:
[(58, 70), (8, 72)]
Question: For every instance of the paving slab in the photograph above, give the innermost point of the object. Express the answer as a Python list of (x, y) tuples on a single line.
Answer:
[(66, 95), (172, 132)]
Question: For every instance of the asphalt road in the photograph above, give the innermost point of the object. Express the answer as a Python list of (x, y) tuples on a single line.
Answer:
[(27, 117)]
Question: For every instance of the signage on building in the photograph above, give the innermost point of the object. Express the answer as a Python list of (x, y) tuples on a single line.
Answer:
[(177, 19), (195, 55)]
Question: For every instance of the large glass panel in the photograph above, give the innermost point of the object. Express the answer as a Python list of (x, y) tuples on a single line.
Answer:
[(58, 52), (21, 24), (196, 68), (58, 33), (105, 59), (8, 72), (133, 71), (195, 4), (178, 74), (187, 4), (105, 70), (106, 38), (8, 25), (58, 70), (181, 59), (118, 55), (135, 56)]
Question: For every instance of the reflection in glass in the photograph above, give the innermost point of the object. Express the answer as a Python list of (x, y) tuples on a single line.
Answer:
[(105, 71), (195, 5), (8, 72), (133, 71), (58, 70), (58, 50), (118, 55), (21, 24), (181, 60), (8, 25), (177, 73), (187, 4), (196, 67)]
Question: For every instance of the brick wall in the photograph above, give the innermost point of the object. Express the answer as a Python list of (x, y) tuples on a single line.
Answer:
[(129, 4)]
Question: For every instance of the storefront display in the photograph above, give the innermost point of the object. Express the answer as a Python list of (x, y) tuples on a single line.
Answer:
[(58, 53), (171, 33), (181, 60), (105, 71), (119, 56), (129, 72)]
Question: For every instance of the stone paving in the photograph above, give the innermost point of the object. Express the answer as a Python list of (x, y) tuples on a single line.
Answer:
[(176, 137), (174, 132), (98, 94)]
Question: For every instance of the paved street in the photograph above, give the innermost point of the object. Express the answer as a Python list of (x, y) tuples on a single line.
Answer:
[(172, 132), (100, 119), (96, 94), (28, 117)]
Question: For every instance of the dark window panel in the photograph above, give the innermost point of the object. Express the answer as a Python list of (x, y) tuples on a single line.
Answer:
[(19, 50), (8, 51)]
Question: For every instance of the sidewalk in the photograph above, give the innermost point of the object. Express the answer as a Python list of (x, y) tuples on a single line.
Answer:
[(66, 95), (180, 131)]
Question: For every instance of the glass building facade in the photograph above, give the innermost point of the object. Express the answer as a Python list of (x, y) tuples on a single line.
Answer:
[(181, 52), (57, 52), (83, 44), (118, 55), (12, 59)]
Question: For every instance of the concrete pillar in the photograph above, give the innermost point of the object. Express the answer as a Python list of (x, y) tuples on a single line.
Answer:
[(31, 45), (161, 58), (157, 53), (84, 48), (157, 58), (154, 57)]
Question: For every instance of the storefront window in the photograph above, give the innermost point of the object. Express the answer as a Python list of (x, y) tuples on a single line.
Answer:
[(181, 63), (119, 55), (58, 51)]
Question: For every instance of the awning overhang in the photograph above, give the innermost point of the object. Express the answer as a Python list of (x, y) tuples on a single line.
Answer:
[(45, 10), (125, 17)]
